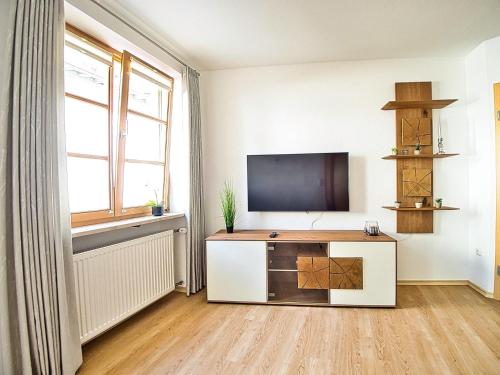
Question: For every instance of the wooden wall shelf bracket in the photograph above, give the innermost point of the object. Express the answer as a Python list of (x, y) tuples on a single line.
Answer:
[(418, 104), (421, 156), (443, 208)]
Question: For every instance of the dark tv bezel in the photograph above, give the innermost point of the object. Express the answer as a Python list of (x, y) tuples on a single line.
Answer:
[(309, 153)]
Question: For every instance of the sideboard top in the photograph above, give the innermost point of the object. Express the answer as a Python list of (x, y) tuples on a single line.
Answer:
[(299, 236)]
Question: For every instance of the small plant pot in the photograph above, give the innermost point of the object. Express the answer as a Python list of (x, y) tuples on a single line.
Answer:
[(157, 210), (230, 229), (416, 152), (394, 152), (438, 205), (397, 204), (418, 205)]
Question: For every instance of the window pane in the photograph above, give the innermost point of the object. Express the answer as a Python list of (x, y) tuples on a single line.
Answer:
[(86, 128), (147, 97), (88, 183), (145, 139), (85, 76), (140, 182)]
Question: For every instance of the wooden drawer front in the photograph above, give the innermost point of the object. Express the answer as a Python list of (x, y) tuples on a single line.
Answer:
[(346, 273), (313, 272), (378, 273)]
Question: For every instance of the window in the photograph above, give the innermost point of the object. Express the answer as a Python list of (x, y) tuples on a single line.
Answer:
[(118, 114)]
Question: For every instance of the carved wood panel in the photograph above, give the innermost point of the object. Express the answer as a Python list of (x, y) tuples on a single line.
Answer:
[(416, 130), (312, 272), (412, 221), (346, 273), (417, 182)]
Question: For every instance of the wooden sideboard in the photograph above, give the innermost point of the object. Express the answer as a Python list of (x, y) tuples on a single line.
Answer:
[(310, 267)]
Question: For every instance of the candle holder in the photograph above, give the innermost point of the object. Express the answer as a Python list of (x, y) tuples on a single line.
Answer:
[(440, 146)]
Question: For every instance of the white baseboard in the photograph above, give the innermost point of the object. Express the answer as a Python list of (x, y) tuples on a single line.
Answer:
[(447, 282)]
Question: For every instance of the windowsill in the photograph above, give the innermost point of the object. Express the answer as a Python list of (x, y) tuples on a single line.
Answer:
[(121, 224)]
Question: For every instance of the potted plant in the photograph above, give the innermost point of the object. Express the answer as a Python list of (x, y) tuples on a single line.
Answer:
[(418, 149), (438, 203), (397, 204), (394, 150), (156, 205), (419, 203), (228, 206), (156, 208)]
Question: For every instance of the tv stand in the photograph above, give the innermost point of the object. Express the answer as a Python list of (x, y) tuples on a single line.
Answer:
[(309, 267)]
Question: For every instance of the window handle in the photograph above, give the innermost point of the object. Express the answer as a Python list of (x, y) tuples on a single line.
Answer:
[(124, 133)]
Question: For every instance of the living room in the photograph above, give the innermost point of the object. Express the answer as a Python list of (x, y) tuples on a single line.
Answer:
[(250, 187)]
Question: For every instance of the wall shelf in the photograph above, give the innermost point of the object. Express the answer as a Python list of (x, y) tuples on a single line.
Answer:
[(415, 175), (421, 156), (444, 208), (422, 104)]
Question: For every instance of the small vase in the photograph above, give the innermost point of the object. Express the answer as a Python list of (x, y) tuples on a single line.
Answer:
[(397, 204), (230, 229), (157, 210), (416, 152), (418, 205)]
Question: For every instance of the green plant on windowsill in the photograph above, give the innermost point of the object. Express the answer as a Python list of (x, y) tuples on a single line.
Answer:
[(228, 206), (156, 205)]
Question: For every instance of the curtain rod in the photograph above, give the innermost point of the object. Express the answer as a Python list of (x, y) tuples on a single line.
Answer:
[(141, 33)]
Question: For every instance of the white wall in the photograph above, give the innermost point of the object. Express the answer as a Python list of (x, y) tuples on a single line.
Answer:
[(330, 107), (482, 71)]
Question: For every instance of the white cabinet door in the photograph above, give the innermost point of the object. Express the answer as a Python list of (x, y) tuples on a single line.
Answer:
[(237, 271), (379, 273)]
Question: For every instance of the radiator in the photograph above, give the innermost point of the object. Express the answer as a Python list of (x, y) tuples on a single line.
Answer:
[(116, 281)]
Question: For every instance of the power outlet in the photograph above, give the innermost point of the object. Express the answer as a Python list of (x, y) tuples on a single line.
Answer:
[(478, 253)]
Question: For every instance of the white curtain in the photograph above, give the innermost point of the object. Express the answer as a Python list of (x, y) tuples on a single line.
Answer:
[(196, 255), (38, 318)]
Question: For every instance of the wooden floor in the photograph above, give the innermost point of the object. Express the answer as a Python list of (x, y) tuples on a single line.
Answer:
[(434, 330)]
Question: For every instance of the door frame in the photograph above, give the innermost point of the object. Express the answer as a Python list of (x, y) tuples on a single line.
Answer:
[(496, 95)]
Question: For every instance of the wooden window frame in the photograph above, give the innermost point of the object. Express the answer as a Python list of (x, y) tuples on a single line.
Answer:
[(116, 181)]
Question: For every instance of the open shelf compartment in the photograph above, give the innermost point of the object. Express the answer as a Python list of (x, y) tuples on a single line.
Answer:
[(283, 275)]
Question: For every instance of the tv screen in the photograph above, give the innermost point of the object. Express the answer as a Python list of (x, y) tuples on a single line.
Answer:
[(298, 182)]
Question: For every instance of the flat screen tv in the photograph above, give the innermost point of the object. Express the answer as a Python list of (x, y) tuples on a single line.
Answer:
[(298, 182)]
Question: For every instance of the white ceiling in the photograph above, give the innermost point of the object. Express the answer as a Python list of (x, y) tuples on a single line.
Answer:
[(220, 34)]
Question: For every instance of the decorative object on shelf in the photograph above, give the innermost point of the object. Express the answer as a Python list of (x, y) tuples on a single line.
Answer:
[(404, 151), (417, 182), (438, 203), (156, 205), (394, 150), (228, 206), (440, 139), (418, 149), (419, 203), (372, 228), (397, 204), (346, 273), (416, 130)]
